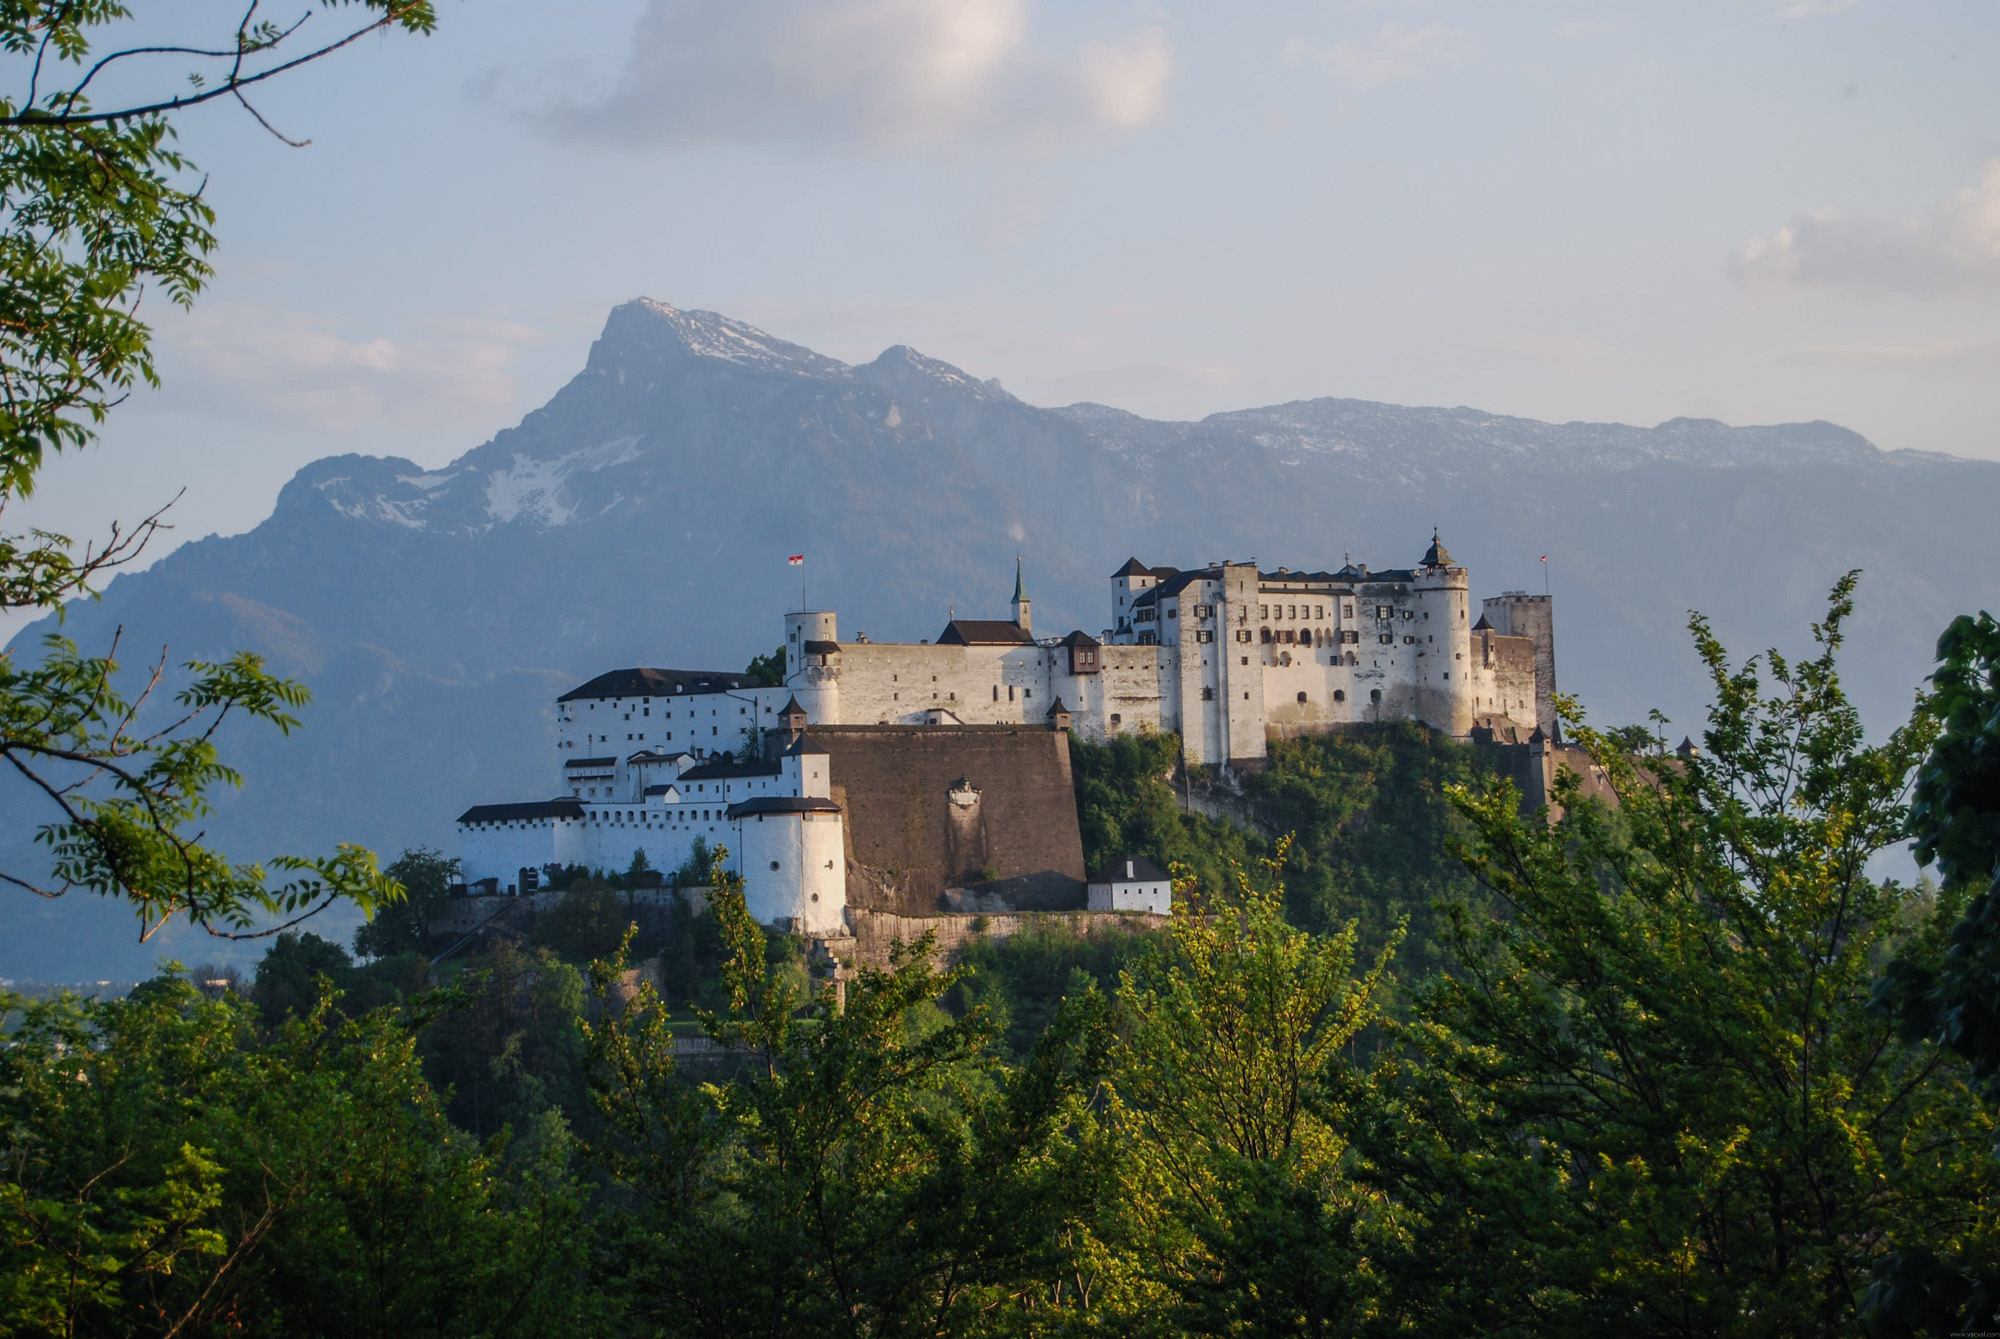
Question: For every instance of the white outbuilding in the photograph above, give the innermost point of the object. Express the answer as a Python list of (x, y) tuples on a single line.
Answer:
[(1132, 883)]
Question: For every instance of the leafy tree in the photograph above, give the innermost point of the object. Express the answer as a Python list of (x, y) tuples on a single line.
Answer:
[(1946, 988), (640, 873), (767, 671), (404, 925), (1373, 829), (504, 1045), (1367, 809), (1022, 980), (865, 1172), (1126, 802), (1634, 738), (1235, 1032), (359, 1210), (97, 208), (295, 972), (1647, 1097), (300, 968), (586, 923)]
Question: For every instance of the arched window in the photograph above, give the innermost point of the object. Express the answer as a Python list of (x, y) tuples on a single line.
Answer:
[(1340, 695), (1302, 697)]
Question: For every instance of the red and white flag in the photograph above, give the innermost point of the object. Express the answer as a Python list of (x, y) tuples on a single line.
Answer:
[(799, 560), (1545, 557)]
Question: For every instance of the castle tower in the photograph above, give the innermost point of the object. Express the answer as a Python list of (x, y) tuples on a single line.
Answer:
[(1020, 602), (1519, 614), (811, 641)]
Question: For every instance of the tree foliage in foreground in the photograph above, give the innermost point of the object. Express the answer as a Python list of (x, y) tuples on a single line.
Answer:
[(1644, 1092), (165, 1172), (1648, 1096), (98, 210), (866, 1169)]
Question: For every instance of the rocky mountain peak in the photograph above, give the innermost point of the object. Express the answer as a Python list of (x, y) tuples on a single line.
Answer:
[(901, 370), (648, 336)]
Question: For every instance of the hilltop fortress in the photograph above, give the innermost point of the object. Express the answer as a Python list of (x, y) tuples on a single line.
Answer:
[(909, 778)]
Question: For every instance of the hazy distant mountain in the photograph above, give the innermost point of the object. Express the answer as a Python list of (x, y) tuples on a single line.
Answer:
[(644, 514)]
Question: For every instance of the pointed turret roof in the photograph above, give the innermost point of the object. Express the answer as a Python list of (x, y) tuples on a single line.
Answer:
[(1019, 593), (1436, 556)]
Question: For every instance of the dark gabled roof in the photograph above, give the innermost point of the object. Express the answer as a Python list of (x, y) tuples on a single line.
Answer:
[(644, 756), (720, 769), (822, 648), (1483, 625), (1172, 586), (802, 746), (503, 813), (591, 762), (661, 790), (1079, 638), (645, 682), (983, 632), (1132, 568), (1142, 871), (783, 804)]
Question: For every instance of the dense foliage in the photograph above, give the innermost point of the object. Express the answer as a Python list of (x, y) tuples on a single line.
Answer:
[(167, 1170), (1366, 812)]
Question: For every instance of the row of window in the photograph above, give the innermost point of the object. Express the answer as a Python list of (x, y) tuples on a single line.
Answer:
[(1304, 611)]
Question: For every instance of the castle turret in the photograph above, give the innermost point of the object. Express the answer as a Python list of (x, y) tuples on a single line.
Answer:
[(1020, 602), (812, 659)]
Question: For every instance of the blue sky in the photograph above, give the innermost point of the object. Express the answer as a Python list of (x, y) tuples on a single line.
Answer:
[(1762, 211)]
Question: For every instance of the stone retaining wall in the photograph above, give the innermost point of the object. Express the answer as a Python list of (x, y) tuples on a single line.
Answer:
[(876, 931)]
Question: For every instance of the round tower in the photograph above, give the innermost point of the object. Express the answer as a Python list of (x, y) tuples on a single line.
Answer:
[(794, 865), (810, 673)]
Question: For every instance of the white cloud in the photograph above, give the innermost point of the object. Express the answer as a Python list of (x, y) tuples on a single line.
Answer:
[(300, 369), (847, 73), (1128, 84), (1392, 52), (1955, 250)]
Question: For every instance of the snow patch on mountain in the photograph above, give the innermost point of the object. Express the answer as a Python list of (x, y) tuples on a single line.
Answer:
[(537, 490), (531, 490), (709, 334)]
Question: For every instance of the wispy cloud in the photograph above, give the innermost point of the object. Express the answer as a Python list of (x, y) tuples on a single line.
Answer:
[(847, 74), (1954, 250), (1947, 357), (1392, 52), (245, 361)]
